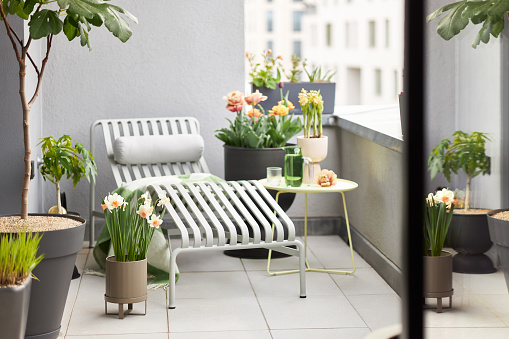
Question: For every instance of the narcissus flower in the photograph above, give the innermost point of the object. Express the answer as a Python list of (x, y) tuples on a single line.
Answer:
[(326, 178), (445, 196), (145, 210), (146, 196), (113, 201), (163, 200), (155, 221)]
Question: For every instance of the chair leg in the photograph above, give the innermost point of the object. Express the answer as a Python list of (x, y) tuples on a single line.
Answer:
[(171, 289), (302, 269)]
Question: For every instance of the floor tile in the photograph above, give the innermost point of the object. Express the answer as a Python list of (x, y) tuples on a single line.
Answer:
[(364, 281), (311, 312), (332, 252), (88, 317), (261, 334), (347, 333), (492, 283), (225, 314), (213, 285), (122, 336), (466, 311), (378, 311), (207, 261), (466, 333), (498, 304), (279, 264), (288, 285)]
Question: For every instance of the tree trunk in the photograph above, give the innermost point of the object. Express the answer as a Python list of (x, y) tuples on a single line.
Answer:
[(26, 138), (59, 202), (467, 194)]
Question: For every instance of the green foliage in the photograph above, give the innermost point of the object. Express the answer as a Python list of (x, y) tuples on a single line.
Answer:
[(74, 17), (18, 256), (61, 159), (466, 152), (436, 224), (262, 75), (294, 74), (316, 75), (489, 13)]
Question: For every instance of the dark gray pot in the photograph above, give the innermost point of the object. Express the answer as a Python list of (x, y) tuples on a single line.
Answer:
[(469, 236), (499, 233), (14, 303), (438, 278), (49, 294), (242, 163), (327, 90)]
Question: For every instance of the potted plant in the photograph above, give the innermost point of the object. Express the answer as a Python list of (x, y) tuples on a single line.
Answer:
[(267, 74), (469, 234), (60, 159), (131, 222), (18, 258), (314, 146), (437, 263), (254, 141), (63, 235)]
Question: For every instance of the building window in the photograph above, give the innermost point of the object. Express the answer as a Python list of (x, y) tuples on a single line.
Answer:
[(270, 20), (297, 0), (372, 34), (297, 45), (270, 44), (378, 82), (297, 21), (387, 33), (328, 35)]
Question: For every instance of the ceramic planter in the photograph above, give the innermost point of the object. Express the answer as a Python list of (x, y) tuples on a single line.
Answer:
[(438, 278), (14, 310), (49, 293), (126, 283), (469, 235), (316, 149), (327, 90), (499, 233)]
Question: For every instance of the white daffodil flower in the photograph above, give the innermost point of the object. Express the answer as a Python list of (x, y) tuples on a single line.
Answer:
[(163, 200), (145, 210), (445, 196), (155, 221)]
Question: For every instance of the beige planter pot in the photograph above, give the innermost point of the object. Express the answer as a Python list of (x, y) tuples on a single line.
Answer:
[(126, 283), (438, 278), (315, 149)]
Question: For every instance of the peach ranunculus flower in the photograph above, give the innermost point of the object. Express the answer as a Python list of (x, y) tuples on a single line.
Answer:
[(254, 113), (280, 110), (326, 178), (235, 101), (288, 104), (255, 98)]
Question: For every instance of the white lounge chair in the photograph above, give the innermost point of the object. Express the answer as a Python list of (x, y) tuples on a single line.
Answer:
[(207, 215)]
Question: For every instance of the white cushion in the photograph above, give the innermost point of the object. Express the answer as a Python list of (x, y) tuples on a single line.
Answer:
[(153, 149)]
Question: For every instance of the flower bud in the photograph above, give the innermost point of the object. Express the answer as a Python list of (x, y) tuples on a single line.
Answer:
[(281, 85)]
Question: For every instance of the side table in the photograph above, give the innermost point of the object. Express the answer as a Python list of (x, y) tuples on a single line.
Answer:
[(341, 186)]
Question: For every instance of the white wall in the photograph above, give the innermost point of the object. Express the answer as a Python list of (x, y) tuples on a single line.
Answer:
[(183, 57)]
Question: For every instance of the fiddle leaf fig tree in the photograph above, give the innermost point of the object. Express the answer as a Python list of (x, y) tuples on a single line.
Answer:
[(466, 152), (487, 13), (47, 18)]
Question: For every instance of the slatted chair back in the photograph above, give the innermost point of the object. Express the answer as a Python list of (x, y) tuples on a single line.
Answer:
[(112, 129)]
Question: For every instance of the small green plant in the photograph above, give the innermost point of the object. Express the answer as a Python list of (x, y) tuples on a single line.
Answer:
[(466, 152), (311, 105), (316, 75), (295, 71), (131, 223), (18, 257), (266, 74), (61, 159), (437, 221)]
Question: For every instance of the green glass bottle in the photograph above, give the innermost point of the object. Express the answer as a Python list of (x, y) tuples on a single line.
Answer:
[(293, 166)]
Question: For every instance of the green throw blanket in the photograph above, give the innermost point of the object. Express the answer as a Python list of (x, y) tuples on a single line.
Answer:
[(158, 256)]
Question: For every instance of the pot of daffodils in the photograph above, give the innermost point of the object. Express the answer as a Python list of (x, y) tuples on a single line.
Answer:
[(314, 146), (131, 222), (469, 233), (18, 257), (437, 263)]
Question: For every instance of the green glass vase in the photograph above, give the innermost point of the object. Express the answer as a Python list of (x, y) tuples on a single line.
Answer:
[(294, 165)]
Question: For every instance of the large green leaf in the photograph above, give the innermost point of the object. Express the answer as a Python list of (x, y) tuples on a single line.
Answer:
[(86, 8), (451, 24), (441, 10), (117, 25), (44, 23)]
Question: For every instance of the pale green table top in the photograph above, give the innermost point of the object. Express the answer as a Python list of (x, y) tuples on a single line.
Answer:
[(342, 185)]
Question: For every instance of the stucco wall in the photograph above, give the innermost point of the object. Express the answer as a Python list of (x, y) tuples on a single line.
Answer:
[(183, 57)]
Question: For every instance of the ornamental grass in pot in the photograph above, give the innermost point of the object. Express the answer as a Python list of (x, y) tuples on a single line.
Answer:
[(469, 233), (131, 222), (437, 263), (18, 258)]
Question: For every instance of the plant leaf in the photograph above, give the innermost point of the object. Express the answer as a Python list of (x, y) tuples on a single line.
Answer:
[(44, 23)]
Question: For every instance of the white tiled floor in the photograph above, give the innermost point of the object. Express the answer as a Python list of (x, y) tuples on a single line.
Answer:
[(224, 297)]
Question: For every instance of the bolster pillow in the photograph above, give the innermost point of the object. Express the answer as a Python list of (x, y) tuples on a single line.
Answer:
[(153, 149)]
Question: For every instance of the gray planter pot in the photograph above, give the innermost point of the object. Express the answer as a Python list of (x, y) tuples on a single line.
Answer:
[(49, 294), (14, 303), (327, 90), (438, 278), (499, 233), (469, 235)]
